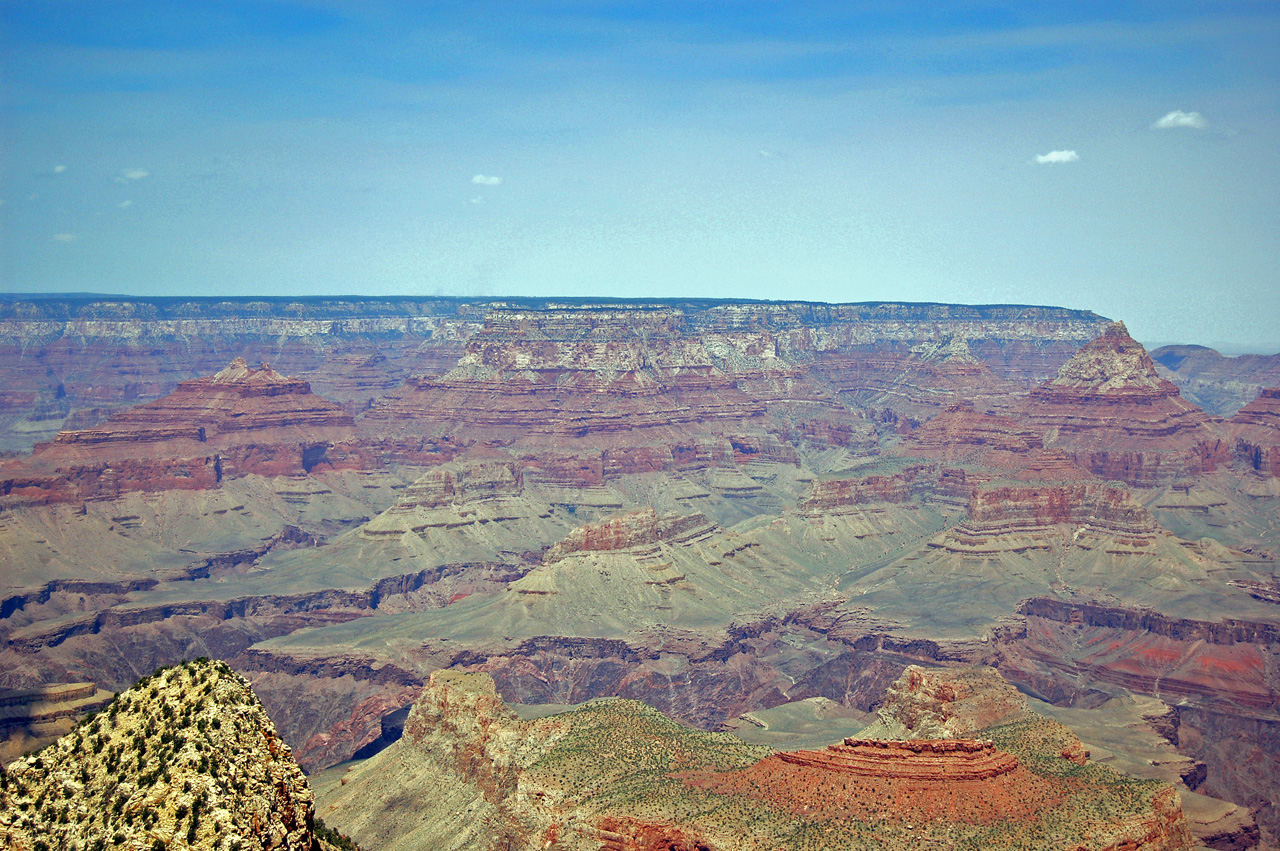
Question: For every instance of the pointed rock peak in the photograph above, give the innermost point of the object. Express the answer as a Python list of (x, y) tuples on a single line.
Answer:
[(234, 371), (239, 371), (1112, 362)]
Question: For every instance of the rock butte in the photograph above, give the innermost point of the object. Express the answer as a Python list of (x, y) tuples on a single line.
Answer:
[(237, 422), (924, 760), (1115, 416)]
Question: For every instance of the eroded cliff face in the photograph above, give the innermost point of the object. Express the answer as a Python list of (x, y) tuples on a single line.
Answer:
[(187, 758), (239, 421), (1256, 428), (1115, 416)]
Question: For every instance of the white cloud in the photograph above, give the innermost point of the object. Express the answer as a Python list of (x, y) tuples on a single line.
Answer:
[(1178, 118), (124, 205), (1057, 157), (133, 174), (477, 200), (483, 180), (59, 169), (64, 237)]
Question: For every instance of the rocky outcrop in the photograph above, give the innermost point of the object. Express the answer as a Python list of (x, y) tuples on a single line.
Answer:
[(237, 422), (1256, 428), (918, 760), (186, 758), (828, 496), (641, 528), (1005, 517), (945, 703), (1115, 416)]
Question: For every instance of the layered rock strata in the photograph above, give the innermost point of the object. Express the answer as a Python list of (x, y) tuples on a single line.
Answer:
[(913, 383), (921, 760), (1019, 516), (1256, 428), (237, 422), (571, 374), (1115, 416), (635, 529)]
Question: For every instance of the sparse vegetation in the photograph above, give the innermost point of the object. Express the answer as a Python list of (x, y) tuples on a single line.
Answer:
[(150, 776)]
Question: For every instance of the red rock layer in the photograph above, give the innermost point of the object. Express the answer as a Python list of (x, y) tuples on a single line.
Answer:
[(237, 422), (1097, 508), (1003, 444), (829, 495), (634, 529), (817, 791), (1256, 428), (922, 760), (961, 432), (1113, 415)]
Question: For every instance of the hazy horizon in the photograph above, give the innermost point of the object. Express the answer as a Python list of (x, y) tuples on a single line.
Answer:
[(1113, 159)]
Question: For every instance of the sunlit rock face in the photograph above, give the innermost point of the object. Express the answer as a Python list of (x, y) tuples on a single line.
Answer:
[(239, 421), (187, 758), (1114, 416)]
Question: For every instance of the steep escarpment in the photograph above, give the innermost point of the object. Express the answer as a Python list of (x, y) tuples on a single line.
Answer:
[(1256, 428), (187, 758)]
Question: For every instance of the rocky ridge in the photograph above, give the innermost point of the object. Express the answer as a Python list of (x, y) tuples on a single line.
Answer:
[(614, 774), (187, 758)]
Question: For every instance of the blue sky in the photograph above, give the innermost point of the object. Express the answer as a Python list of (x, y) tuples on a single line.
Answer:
[(1118, 159)]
